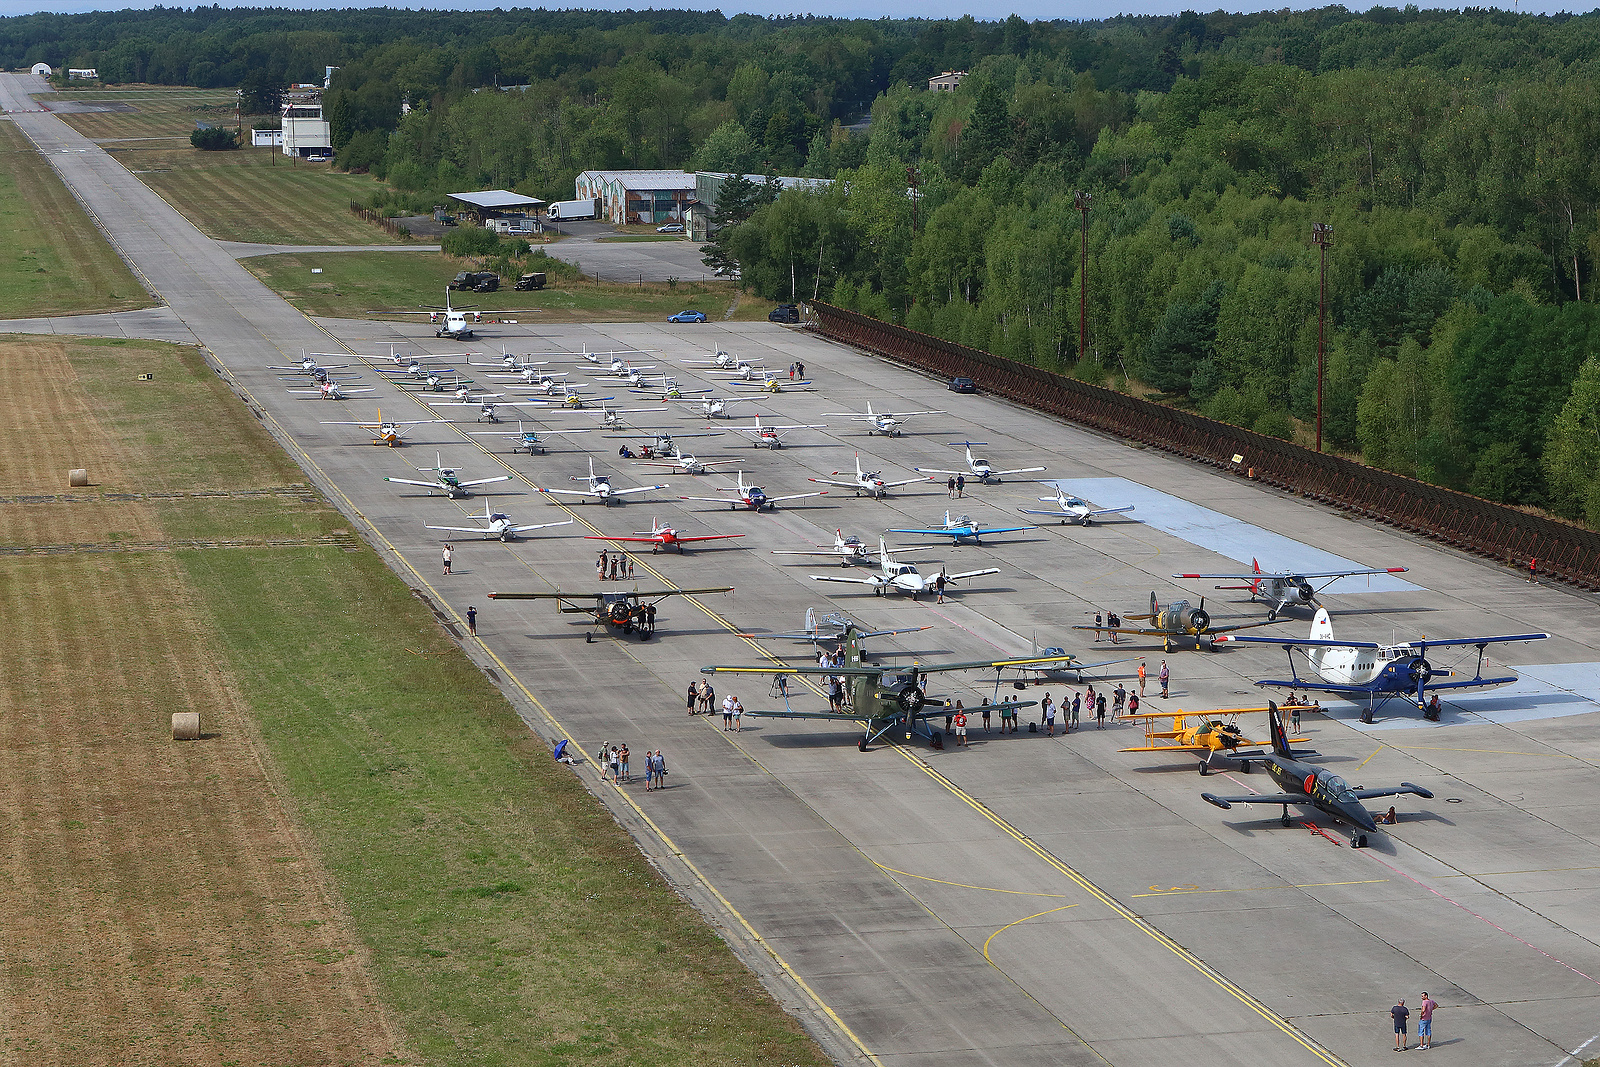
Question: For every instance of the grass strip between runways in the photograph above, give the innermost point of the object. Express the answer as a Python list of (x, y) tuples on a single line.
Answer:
[(511, 919)]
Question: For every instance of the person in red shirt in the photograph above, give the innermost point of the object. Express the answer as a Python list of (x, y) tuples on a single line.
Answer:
[(1425, 1022)]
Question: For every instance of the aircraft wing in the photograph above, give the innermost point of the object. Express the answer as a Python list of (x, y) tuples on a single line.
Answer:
[(518, 433), (1400, 790), (710, 537), (476, 402), (710, 499), (795, 496), (1426, 644), (1112, 511), (842, 578), (567, 492), (413, 481), (878, 414), (933, 470), (637, 489), (1256, 576), (640, 540), (380, 425), (907, 481), (595, 596), (974, 574), (1299, 642), (834, 635), (1240, 626), (485, 481), (468, 529), (852, 484), (1019, 470), (524, 527), (1067, 514), (1057, 664), (1260, 798), (754, 430), (643, 432)]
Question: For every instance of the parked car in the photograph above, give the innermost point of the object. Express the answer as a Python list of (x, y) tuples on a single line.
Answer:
[(671, 227), (529, 282), (963, 385), (687, 316), (784, 313), (487, 282)]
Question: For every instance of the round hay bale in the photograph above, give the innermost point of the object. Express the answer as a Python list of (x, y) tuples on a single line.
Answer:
[(186, 726), (77, 479)]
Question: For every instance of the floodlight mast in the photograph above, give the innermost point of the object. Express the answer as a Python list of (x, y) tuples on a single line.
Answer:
[(1322, 237), (1081, 201)]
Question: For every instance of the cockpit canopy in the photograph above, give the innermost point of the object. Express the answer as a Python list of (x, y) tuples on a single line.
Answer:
[(1337, 788)]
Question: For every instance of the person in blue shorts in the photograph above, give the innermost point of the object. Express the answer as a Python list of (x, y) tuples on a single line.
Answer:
[(1400, 1013)]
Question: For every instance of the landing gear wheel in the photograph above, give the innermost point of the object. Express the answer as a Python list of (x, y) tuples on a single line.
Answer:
[(1244, 766), (1205, 769), (1286, 821), (1358, 840), (862, 744), (587, 638), (1366, 716)]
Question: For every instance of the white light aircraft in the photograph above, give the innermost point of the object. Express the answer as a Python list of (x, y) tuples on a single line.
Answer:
[(724, 360), (308, 365), (753, 497), (386, 432), (711, 407), (570, 396), (452, 321), (980, 469), (526, 437), (500, 526), (329, 390), (448, 481), (484, 402), (772, 434), (1286, 589), (1073, 509), (848, 550), (600, 488), (869, 482), (768, 382), (508, 362), (683, 463), (896, 577), (831, 628), (888, 423)]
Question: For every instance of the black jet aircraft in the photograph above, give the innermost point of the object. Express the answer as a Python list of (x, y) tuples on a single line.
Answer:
[(887, 699), (1180, 620), (1308, 785), (621, 613)]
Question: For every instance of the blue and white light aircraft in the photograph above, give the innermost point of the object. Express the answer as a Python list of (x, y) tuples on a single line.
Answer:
[(525, 437), (978, 468), (1073, 509), (963, 528)]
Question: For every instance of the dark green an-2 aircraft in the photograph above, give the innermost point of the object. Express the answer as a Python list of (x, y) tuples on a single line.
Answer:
[(1309, 785)]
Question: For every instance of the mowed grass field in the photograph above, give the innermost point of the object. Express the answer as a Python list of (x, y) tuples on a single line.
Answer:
[(385, 284), (155, 111), (368, 859), (53, 258)]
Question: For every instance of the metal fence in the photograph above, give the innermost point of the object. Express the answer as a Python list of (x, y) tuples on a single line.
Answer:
[(1555, 549)]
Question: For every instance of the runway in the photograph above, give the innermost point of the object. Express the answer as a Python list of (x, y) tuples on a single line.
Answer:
[(1029, 899)]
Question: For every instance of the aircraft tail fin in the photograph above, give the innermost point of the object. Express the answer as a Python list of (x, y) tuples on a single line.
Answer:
[(1280, 739), (811, 619), (1321, 630), (1155, 609)]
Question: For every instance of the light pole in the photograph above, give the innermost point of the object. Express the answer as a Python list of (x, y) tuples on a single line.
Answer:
[(1322, 237), (1081, 201)]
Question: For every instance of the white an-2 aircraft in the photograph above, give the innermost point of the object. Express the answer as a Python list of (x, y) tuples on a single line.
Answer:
[(1073, 509), (869, 482), (888, 423), (500, 526), (896, 577), (978, 468), (600, 488), (1285, 589), (447, 480)]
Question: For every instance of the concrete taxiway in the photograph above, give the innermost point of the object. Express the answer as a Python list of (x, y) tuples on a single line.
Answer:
[(1027, 899)]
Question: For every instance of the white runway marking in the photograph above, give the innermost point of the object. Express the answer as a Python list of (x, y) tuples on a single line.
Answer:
[(1227, 536)]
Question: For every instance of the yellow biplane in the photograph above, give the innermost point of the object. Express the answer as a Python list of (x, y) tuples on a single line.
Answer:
[(1206, 732)]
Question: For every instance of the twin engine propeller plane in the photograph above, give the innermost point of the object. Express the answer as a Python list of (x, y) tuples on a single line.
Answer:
[(1356, 669), (963, 528), (894, 577), (1308, 785), (1285, 589), (509, 362), (887, 699), (451, 321), (500, 526), (888, 423), (447, 481), (1208, 733), (661, 536), (848, 550), (620, 613), (525, 437), (980, 469), (600, 488), (869, 482), (1179, 620), (1073, 509), (753, 497), (772, 434), (386, 432)]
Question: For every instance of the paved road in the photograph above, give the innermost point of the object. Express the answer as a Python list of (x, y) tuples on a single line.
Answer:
[(1028, 900), (656, 261)]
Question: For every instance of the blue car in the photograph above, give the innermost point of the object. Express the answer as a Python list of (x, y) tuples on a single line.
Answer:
[(687, 316)]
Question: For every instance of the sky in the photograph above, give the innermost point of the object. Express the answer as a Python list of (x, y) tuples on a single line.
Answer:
[(1030, 9)]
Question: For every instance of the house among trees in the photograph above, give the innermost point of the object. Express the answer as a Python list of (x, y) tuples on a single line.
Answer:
[(946, 82)]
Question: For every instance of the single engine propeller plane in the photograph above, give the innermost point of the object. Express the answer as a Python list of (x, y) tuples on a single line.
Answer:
[(1073, 509), (887, 699), (620, 613), (662, 536), (981, 469), (600, 488), (447, 480), (753, 497), (847, 550), (831, 629), (888, 423), (1285, 589), (1179, 620), (500, 526), (330, 390), (896, 577), (387, 432), (715, 407), (963, 528), (525, 437), (869, 482), (1208, 733), (1357, 669), (772, 434), (1311, 786)]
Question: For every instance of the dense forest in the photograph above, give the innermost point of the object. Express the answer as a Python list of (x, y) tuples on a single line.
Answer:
[(1452, 153)]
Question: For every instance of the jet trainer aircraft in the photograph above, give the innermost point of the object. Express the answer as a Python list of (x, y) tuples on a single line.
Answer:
[(887, 699), (661, 536), (1073, 509), (526, 437), (1207, 733), (980, 469), (600, 488), (888, 423), (1180, 620), (500, 526), (448, 481), (1308, 785), (869, 482), (753, 497), (386, 432), (901, 577), (621, 613), (963, 527), (1285, 589), (1355, 669)]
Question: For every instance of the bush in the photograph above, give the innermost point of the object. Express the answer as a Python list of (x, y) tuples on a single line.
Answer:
[(213, 139), (471, 241)]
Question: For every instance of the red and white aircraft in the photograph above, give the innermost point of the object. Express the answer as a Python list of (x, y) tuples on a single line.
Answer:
[(661, 536)]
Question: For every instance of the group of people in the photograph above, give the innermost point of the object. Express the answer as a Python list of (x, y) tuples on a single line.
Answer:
[(701, 698), (614, 566), (797, 370), (956, 486), (1111, 623), (615, 768), (644, 452), (1400, 1013)]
